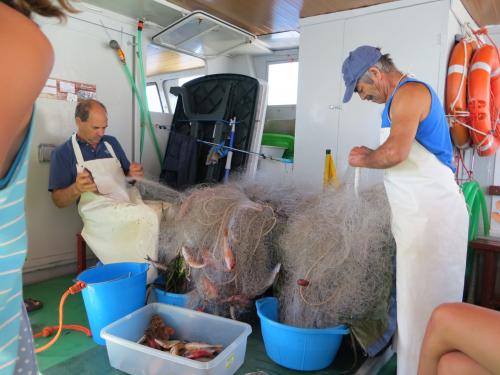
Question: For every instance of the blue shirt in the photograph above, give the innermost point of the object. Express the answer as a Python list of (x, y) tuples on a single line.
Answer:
[(433, 132), (63, 160), (13, 249)]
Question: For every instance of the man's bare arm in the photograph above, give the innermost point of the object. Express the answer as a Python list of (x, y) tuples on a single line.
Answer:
[(409, 107)]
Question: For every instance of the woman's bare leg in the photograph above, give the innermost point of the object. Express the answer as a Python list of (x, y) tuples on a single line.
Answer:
[(460, 327), (456, 363)]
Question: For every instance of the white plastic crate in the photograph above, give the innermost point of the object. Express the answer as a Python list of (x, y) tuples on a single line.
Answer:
[(126, 355)]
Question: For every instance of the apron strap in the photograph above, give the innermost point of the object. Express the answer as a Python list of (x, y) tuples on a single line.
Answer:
[(110, 150), (77, 151)]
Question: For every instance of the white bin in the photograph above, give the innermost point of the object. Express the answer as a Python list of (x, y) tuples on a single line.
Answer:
[(273, 151), (126, 355)]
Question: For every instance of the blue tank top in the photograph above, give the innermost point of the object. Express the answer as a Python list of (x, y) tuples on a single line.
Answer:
[(432, 132)]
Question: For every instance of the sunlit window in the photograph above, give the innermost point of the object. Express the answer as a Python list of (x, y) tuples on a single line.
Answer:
[(172, 99), (282, 79), (154, 101)]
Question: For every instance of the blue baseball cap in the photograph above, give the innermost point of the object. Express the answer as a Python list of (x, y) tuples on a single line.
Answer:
[(355, 65)]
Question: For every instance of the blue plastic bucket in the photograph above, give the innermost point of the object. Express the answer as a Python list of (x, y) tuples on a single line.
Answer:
[(297, 348), (113, 291), (176, 299)]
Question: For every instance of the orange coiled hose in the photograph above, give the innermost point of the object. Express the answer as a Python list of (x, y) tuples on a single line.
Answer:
[(47, 331)]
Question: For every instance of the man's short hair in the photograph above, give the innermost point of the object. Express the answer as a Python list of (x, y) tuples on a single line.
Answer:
[(385, 64), (83, 107)]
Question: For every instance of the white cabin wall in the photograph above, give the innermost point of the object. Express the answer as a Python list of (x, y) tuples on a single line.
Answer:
[(82, 55), (416, 34)]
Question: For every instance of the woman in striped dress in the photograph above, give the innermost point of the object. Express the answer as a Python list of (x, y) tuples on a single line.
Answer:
[(27, 60)]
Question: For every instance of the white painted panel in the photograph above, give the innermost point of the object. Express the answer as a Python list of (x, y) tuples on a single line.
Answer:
[(81, 54), (162, 123), (412, 36), (319, 94)]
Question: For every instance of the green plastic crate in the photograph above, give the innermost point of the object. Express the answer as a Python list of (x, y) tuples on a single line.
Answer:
[(280, 140)]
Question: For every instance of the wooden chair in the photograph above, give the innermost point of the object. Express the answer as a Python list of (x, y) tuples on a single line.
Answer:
[(489, 249), (81, 253)]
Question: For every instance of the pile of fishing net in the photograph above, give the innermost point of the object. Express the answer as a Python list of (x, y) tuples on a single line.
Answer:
[(335, 248), (220, 234), (337, 253)]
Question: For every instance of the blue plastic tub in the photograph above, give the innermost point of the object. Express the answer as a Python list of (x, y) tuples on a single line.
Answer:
[(301, 349), (176, 299), (113, 291)]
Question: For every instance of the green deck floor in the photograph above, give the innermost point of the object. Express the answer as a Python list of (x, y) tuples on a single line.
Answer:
[(75, 353)]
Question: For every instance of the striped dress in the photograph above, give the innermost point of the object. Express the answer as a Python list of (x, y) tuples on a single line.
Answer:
[(13, 249)]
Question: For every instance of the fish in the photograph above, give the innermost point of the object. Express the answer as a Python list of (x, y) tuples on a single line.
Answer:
[(270, 280), (167, 344), (156, 264), (177, 349), (161, 343), (185, 206), (209, 288), (190, 258), (229, 259), (150, 341), (196, 354), (202, 345), (238, 299)]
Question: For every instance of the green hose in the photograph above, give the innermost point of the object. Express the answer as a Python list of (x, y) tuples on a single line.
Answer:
[(476, 206), (486, 216), (145, 98)]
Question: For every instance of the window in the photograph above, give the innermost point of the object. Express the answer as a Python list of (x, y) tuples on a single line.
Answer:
[(172, 99), (282, 79), (153, 95)]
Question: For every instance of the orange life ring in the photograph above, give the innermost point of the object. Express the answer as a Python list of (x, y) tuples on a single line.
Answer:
[(456, 91), (484, 99)]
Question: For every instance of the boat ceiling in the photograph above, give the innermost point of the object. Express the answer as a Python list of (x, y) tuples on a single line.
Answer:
[(262, 17)]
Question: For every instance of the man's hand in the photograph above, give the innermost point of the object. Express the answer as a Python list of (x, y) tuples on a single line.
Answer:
[(66, 196), (85, 183), (135, 170), (358, 156)]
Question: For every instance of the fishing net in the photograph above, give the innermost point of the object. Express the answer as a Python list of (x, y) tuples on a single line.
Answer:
[(336, 244), (337, 255)]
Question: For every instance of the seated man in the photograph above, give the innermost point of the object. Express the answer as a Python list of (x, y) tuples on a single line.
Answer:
[(91, 168), (89, 143)]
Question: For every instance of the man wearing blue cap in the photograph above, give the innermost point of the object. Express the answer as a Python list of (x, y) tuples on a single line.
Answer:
[(429, 215)]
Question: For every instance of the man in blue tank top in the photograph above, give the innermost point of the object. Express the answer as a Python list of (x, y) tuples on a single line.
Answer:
[(429, 215)]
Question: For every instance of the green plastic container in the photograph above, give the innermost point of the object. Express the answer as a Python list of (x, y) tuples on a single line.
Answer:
[(280, 140)]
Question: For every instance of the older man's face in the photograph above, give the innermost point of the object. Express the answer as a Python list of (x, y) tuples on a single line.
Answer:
[(92, 130), (370, 91)]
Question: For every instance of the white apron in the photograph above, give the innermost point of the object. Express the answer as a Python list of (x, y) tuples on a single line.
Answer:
[(117, 225), (430, 226)]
